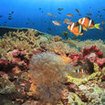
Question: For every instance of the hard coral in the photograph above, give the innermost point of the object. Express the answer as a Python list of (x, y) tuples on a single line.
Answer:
[(75, 57), (17, 61), (34, 67), (21, 40), (6, 86), (60, 48)]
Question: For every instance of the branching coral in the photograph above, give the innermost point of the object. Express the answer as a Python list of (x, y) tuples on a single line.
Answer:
[(60, 48), (21, 40)]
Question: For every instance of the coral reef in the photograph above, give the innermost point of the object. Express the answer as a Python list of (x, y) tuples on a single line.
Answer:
[(87, 43), (39, 69)]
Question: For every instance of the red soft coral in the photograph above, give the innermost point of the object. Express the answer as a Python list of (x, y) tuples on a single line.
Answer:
[(75, 58), (100, 62), (19, 57), (93, 49), (93, 54), (3, 62)]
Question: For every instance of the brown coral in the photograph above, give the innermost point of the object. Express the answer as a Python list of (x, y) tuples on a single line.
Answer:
[(60, 48)]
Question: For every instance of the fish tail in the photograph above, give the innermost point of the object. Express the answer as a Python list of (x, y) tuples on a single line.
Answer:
[(97, 26)]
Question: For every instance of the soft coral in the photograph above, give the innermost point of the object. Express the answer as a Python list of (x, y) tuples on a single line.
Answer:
[(93, 49), (93, 54)]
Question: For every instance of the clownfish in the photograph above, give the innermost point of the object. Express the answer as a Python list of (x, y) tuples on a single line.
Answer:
[(75, 28), (88, 23)]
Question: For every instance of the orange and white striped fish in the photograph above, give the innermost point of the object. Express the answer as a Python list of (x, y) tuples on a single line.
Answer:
[(75, 28), (88, 23)]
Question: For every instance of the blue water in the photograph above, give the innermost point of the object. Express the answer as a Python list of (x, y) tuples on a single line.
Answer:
[(33, 14)]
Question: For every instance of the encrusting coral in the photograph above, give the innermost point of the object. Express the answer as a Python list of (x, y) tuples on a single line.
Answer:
[(39, 69)]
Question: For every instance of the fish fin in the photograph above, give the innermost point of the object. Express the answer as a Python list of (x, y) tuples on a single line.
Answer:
[(81, 34), (68, 27), (97, 26), (84, 28), (101, 28), (88, 17)]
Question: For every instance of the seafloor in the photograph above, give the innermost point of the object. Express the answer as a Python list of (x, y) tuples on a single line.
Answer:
[(40, 69)]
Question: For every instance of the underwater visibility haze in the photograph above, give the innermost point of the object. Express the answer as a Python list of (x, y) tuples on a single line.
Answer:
[(52, 52)]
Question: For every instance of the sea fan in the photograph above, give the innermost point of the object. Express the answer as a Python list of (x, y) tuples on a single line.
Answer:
[(48, 70)]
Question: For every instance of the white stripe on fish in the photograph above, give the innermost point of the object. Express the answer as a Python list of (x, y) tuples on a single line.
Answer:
[(83, 21), (72, 27), (80, 28), (90, 23)]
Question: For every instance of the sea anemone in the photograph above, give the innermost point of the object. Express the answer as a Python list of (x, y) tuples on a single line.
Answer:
[(48, 71)]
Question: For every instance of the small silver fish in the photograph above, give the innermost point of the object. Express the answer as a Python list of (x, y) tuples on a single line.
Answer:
[(67, 21), (57, 23), (69, 15)]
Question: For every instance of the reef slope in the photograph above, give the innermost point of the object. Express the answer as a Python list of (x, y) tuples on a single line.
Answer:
[(40, 69)]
